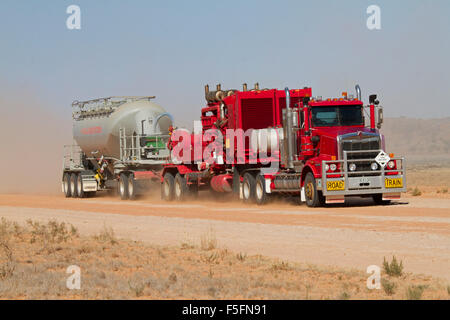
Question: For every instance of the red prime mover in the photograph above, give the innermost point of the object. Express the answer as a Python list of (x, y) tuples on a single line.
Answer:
[(259, 142)]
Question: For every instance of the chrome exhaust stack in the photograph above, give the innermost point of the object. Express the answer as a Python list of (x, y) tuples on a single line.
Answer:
[(358, 92)]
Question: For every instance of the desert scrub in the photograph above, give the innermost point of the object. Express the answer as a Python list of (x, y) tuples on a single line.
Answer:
[(388, 287), (414, 292), (107, 235), (416, 192), (393, 268), (52, 232), (208, 241)]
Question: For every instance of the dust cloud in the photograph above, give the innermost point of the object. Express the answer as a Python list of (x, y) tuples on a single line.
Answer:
[(31, 140)]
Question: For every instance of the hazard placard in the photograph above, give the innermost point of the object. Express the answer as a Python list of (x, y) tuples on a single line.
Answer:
[(382, 159)]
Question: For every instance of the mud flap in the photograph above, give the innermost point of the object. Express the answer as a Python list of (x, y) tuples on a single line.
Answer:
[(391, 196), (334, 199), (302, 195)]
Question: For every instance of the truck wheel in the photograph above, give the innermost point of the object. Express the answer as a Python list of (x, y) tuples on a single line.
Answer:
[(123, 186), (236, 182), (80, 191), (313, 197), (132, 187), (181, 188), (248, 188), (66, 185), (167, 187), (378, 199), (261, 196), (73, 185)]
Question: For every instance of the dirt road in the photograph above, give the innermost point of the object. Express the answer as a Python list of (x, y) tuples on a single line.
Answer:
[(416, 230)]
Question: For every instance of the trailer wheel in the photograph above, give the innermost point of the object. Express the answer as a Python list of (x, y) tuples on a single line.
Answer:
[(261, 196), (132, 187), (66, 185), (313, 197), (80, 192), (181, 188), (378, 199), (248, 188), (167, 187), (123, 186), (73, 185)]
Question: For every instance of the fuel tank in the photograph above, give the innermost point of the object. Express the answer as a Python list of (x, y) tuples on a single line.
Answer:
[(96, 123)]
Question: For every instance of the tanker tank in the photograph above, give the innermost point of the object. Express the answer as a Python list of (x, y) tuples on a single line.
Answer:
[(96, 123)]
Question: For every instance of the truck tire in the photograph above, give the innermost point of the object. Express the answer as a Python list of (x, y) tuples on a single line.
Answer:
[(80, 192), (73, 185), (236, 183), (181, 189), (314, 198), (167, 187), (66, 185), (123, 186), (261, 196), (378, 199), (248, 188), (132, 187)]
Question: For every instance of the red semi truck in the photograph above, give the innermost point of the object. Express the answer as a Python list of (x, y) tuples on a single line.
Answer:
[(256, 143)]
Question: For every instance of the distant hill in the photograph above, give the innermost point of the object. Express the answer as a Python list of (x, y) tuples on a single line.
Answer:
[(418, 138)]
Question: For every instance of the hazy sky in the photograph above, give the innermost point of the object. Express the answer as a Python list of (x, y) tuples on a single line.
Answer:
[(172, 48)]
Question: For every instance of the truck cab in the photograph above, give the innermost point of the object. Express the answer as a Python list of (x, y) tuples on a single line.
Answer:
[(348, 158)]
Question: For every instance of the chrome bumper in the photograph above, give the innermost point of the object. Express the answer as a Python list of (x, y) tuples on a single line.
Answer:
[(361, 182)]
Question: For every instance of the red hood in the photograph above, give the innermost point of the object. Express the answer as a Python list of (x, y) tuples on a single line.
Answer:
[(333, 132)]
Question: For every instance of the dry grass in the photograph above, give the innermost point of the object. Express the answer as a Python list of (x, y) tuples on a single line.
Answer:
[(112, 268), (428, 180)]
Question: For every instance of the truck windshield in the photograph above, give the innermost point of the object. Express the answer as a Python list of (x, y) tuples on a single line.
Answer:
[(333, 116)]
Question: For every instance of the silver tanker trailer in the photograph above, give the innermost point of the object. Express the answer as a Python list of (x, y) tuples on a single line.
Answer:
[(120, 144)]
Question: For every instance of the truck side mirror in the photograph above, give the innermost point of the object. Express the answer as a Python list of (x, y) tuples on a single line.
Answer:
[(379, 116)]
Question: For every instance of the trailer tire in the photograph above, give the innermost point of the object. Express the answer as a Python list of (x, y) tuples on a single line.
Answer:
[(123, 186), (132, 187), (261, 196), (80, 192), (248, 188), (66, 185), (181, 189), (73, 185), (378, 199), (167, 187), (314, 197)]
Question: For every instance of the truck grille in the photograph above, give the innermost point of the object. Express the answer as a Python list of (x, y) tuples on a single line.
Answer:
[(368, 146)]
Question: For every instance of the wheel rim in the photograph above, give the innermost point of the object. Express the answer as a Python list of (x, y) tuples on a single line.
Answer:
[(309, 189), (66, 185), (166, 189), (79, 185), (121, 187), (246, 190), (259, 190), (130, 187), (177, 189), (72, 185)]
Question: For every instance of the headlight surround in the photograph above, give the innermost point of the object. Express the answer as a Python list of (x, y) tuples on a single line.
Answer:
[(333, 167), (352, 167), (391, 164), (374, 166), (327, 167)]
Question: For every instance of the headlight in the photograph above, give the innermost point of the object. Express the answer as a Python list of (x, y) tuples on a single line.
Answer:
[(352, 167), (374, 166), (327, 167), (391, 164), (333, 167)]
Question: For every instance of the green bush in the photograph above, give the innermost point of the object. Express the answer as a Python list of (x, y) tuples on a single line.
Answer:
[(393, 268)]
